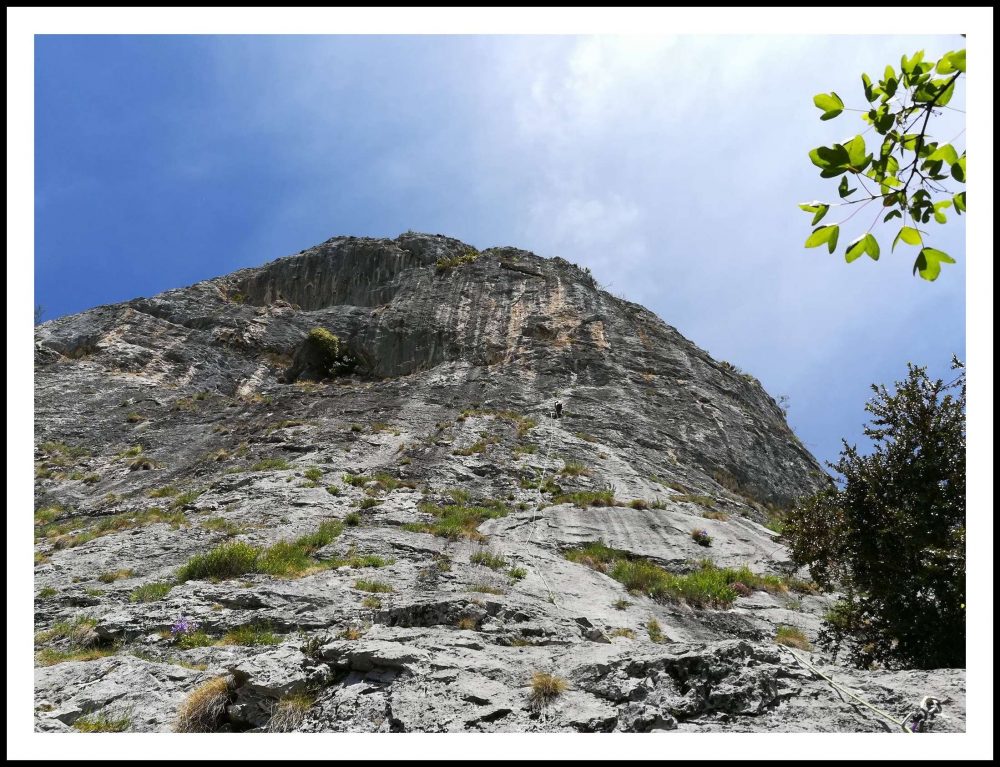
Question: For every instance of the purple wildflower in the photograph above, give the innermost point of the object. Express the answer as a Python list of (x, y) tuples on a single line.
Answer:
[(182, 627)]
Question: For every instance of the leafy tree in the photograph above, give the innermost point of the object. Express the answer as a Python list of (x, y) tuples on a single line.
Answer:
[(891, 535), (907, 170)]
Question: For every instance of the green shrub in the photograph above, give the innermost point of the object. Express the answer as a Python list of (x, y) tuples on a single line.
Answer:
[(517, 573), (327, 354), (353, 519), (376, 587), (46, 592), (467, 256)]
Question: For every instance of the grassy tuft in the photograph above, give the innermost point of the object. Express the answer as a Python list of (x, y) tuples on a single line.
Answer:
[(622, 632), (575, 469), (375, 587), (488, 559), (195, 639), (204, 708), (251, 635), (467, 623), (285, 558), (456, 521), (289, 712), (707, 586), (585, 498), (103, 723), (230, 560), (167, 491), (792, 637), (115, 575), (546, 687), (271, 464), (467, 256), (655, 631)]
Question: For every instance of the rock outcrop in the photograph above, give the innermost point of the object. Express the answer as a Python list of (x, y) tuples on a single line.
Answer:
[(407, 544)]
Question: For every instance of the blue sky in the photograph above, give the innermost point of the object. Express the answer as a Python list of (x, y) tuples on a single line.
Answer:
[(671, 166)]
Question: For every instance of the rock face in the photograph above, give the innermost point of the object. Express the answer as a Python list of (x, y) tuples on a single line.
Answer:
[(413, 533)]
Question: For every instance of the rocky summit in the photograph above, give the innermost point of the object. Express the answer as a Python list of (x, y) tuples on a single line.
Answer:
[(406, 485)]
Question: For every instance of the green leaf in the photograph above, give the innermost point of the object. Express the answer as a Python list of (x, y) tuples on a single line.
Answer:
[(929, 261), (832, 160), (855, 151), (958, 169), (855, 249), (871, 247), (827, 234), (866, 81), (909, 141), (958, 60), (819, 208), (959, 202), (843, 190), (890, 73), (908, 65), (830, 103), (953, 61), (892, 214), (945, 97), (907, 234)]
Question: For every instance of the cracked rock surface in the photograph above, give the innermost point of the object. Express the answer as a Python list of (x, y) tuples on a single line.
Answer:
[(167, 427)]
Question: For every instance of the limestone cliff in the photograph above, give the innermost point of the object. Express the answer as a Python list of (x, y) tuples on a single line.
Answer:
[(433, 521)]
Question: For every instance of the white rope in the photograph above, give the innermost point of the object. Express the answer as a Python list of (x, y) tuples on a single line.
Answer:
[(866, 704)]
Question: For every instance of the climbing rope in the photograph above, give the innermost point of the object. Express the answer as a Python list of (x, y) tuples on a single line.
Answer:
[(917, 721)]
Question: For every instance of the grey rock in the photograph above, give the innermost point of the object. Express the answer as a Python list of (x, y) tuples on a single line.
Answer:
[(452, 363)]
